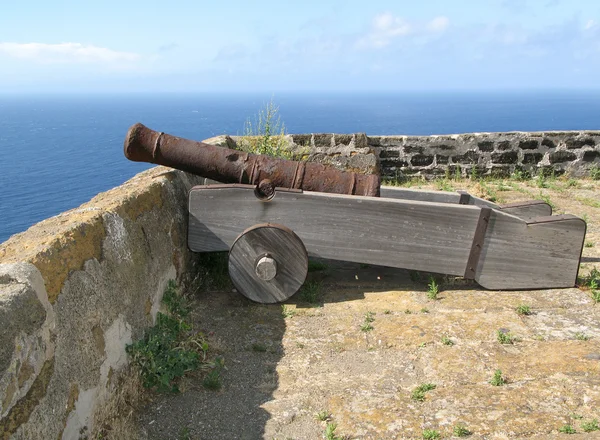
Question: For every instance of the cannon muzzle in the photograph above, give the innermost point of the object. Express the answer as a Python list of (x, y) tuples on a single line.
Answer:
[(232, 166)]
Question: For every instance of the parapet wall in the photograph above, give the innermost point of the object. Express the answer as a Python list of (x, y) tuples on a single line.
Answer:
[(490, 154), (495, 154), (74, 290)]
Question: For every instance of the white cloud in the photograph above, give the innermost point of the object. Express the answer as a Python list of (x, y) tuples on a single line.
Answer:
[(438, 24), (66, 53), (589, 25), (386, 27)]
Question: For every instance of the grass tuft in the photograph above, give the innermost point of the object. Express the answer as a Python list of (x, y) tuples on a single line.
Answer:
[(497, 379), (311, 292), (433, 289), (567, 429), (590, 426), (431, 434), (366, 325), (461, 431), (287, 312), (523, 310), (418, 393), (506, 337)]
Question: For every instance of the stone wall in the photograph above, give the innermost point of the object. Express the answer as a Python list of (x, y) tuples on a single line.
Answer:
[(495, 154), (74, 290), (486, 154)]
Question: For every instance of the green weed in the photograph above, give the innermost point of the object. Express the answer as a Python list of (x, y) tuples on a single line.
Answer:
[(418, 393), (461, 431), (589, 244), (317, 266), (497, 379), (595, 172), (505, 337), (212, 381), (170, 348), (590, 426), (433, 289), (580, 336), (366, 325), (447, 341), (311, 292), (266, 134), (443, 185), (323, 416), (287, 312), (524, 310), (567, 429), (431, 434), (330, 432)]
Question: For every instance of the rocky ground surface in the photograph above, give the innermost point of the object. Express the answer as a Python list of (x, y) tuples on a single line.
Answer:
[(354, 357)]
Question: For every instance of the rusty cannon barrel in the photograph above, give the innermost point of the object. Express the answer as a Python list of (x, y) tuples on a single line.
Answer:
[(232, 166)]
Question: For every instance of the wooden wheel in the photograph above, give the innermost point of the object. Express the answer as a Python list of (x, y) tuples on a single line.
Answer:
[(268, 263)]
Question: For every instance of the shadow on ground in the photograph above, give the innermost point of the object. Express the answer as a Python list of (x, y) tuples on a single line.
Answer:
[(249, 338)]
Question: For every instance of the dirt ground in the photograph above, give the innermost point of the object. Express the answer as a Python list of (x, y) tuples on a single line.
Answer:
[(283, 366)]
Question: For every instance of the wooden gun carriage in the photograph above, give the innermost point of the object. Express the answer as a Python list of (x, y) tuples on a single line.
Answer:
[(271, 214)]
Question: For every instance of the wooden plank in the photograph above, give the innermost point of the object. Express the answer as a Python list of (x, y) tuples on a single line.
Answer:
[(528, 210), (436, 237), (394, 192), (528, 255)]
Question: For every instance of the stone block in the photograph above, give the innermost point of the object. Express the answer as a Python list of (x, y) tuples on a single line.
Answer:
[(302, 140), (485, 146), (532, 158), (504, 145), (548, 143), (409, 149), (562, 156), (361, 141), (388, 163), (385, 153), (444, 147), (530, 144), (470, 157), (506, 157), (576, 143), (421, 160), (591, 155), (441, 159), (323, 140)]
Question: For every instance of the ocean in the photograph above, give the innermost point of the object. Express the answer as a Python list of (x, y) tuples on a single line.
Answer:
[(57, 152)]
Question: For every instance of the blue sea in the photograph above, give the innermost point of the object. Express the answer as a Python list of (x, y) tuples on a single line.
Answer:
[(57, 152)]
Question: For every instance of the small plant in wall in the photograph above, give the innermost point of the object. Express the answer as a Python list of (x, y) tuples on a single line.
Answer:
[(265, 134)]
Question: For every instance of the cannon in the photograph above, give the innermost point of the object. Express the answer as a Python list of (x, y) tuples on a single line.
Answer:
[(271, 214)]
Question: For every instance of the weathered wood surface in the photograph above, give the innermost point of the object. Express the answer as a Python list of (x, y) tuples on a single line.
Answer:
[(543, 253), (528, 210), (389, 232), (428, 236), (280, 277)]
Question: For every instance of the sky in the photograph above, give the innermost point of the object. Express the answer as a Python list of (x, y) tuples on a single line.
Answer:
[(310, 45)]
